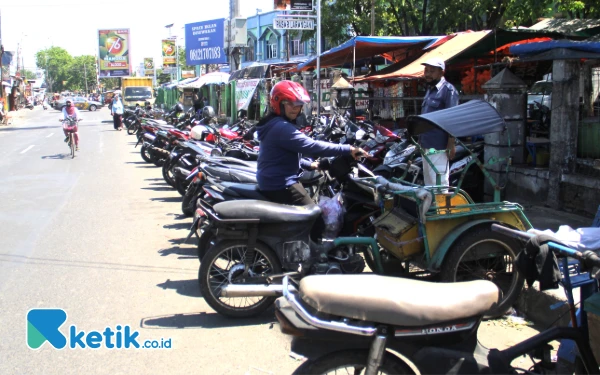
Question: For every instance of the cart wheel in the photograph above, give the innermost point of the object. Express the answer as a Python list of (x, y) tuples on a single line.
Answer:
[(484, 254)]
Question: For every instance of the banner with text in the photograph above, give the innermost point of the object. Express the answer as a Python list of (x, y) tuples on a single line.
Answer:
[(169, 51), (244, 91), (149, 66), (113, 53), (205, 42), (293, 5)]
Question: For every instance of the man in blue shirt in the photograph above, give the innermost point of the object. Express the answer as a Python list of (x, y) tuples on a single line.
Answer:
[(440, 95)]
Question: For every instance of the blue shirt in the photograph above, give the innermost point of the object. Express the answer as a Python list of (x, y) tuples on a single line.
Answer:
[(281, 149), (117, 106), (441, 96)]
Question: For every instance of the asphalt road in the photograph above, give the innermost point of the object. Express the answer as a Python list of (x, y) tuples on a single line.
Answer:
[(100, 237)]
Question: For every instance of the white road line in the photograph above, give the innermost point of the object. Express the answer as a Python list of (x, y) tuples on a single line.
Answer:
[(50, 135), (27, 149)]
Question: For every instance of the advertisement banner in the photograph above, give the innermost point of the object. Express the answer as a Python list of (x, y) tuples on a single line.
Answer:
[(113, 53), (148, 66), (169, 51), (205, 42), (293, 5), (244, 91)]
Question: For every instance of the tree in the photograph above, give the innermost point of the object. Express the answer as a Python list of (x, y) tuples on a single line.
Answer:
[(29, 74), (111, 83), (82, 70), (56, 62)]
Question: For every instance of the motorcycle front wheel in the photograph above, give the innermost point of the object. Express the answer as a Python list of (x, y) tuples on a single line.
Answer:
[(224, 264), (351, 362)]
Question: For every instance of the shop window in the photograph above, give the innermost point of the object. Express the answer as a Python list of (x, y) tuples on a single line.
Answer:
[(272, 47)]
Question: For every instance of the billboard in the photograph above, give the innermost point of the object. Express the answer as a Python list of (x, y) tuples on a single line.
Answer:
[(293, 5), (169, 53), (113, 53), (148, 66), (205, 42)]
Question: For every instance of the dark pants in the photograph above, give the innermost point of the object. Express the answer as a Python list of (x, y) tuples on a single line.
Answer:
[(296, 195), (117, 121)]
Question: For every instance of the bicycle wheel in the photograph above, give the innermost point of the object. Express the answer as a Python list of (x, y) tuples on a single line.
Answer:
[(72, 145)]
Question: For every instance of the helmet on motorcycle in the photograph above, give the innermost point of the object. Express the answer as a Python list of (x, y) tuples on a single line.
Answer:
[(208, 112), (178, 107), (287, 91), (199, 132)]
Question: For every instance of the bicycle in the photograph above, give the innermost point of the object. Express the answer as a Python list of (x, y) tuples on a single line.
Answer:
[(71, 129)]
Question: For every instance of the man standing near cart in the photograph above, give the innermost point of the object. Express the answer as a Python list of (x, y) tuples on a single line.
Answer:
[(436, 142)]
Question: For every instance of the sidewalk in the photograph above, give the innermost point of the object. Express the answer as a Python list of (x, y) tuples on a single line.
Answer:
[(15, 118), (548, 307)]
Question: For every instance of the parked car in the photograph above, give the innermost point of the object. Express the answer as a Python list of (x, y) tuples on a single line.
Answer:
[(85, 104), (61, 103)]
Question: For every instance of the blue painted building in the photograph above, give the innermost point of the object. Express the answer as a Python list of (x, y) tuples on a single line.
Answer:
[(267, 45)]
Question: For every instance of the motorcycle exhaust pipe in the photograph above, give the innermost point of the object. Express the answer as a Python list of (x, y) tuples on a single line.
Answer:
[(254, 290), (161, 151)]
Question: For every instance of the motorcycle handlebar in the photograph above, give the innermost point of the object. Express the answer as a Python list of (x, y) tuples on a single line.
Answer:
[(588, 257)]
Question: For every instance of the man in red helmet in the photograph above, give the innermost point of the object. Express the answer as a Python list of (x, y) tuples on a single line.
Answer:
[(282, 146)]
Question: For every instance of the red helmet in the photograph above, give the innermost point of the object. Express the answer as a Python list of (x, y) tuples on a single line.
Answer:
[(288, 91)]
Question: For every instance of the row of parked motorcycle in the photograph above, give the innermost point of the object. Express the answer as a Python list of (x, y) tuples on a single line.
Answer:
[(252, 251)]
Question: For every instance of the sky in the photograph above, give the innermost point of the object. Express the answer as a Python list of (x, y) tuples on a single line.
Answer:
[(73, 25)]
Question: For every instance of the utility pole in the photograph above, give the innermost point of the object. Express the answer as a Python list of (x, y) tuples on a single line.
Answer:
[(85, 78), (234, 12)]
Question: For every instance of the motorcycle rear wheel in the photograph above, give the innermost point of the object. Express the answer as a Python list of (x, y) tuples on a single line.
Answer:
[(351, 362), (145, 155), (224, 263), (168, 174)]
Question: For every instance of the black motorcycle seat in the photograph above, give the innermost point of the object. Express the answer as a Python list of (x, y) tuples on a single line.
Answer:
[(248, 191), (398, 301), (266, 212), (460, 153), (230, 174)]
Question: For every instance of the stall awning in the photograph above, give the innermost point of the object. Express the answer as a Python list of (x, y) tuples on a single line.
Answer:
[(366, 47), (446, 51), (535, 48), (207, 79)]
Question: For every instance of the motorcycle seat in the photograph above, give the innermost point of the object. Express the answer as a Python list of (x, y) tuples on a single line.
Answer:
[(230, 174), (157, 122), (248, 191), (398, 301), (266, 212)]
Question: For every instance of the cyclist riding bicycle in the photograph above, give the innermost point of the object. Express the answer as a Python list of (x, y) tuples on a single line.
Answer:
[(70, 111)]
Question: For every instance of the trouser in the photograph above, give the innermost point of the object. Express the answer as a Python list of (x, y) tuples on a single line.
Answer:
[(72, 129), (296, 195), (117, 121), (440, 161)]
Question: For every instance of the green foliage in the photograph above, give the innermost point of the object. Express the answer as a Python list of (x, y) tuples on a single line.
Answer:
[(29, 74), (348, 18), (56, 61), (110, 84)]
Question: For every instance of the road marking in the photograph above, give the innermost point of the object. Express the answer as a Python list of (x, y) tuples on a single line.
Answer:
[(27, 149), (50, 135)]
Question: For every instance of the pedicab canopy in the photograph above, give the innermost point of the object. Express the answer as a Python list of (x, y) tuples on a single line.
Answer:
[(475, 117)]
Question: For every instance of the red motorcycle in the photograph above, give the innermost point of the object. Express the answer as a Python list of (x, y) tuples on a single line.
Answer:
[(380, 140)]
